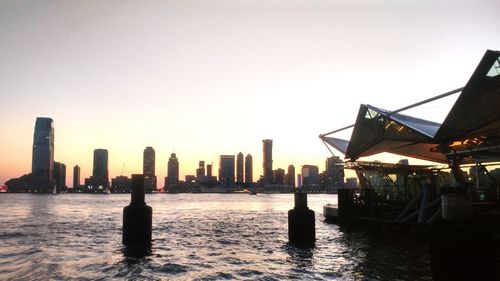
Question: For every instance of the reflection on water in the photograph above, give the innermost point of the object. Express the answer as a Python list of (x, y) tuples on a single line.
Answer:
[(195, 236)]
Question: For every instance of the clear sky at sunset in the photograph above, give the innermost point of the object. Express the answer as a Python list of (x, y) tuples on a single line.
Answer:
[(205, 78)]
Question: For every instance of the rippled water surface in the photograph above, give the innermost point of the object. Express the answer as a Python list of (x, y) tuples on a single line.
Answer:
[(196, 237)]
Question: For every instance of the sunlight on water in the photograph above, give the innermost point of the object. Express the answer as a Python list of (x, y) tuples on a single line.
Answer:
[(196, 237)]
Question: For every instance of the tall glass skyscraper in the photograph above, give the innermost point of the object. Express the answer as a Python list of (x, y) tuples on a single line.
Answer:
[(248, 169), (172, 171), (148, 169), (226, 170), (239, 168), (267, 151), (100, 171), (42, 164)]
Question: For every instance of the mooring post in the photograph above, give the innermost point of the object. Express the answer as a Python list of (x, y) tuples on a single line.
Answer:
[(137, 217), (301, 223)]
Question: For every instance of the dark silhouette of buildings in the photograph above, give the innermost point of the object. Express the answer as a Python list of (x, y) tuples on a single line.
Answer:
[(121, 184), (310, 175), (226, 170), (60, 176), (76, 176), (248, 169), (172, 171), (100, 179), (334, 174), (148, 169), (239, 168), (267, 151), (279, 176), (209, 171), (42, 164), (290, 176), (19, 185), (200, 172)]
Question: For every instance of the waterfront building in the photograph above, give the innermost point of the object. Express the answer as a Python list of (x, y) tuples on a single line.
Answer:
[(310, 175), (172, 171), (100, 179), (226, 170), (148, 169), (60, 176), (279, 176), (121, 184), (200, 172), (351, 182), (42, 164), (334, 174), (267, 151), (290, 176), (299, 181), (209, 171), (239, 168), (248, 169), (76, 176)]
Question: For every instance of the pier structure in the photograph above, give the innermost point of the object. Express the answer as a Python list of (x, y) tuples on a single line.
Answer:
[(451, 203)]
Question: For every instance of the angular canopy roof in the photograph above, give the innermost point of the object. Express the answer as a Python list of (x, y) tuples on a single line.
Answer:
[(472, 124)]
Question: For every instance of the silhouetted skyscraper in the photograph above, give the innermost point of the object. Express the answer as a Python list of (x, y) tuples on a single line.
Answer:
[(148, 169), (290, 176), (209, 171), (100, 171), (267, 151), (248, 169), (279, 176), (172, 171), (334, 174), (42, 164), (226, 170), (200, 172), (310, 175), (239, 168), (60, 176), (76, 176)]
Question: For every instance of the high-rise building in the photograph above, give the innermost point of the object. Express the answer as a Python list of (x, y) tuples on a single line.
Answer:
[(279, 176), (239, 168), (226, 170), (42, 164), (200, 172), (148, 169), (172, 171), (60, 176), (209, 171), (310, 175), (334, 174), (299, 181), (290, 176), (248, 169), (76, 176), (100, 177), (267, 151)]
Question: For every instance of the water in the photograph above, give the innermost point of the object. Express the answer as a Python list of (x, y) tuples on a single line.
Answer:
[(196, 237)]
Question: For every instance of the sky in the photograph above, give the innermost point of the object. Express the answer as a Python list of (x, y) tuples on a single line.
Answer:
[(205, 78)]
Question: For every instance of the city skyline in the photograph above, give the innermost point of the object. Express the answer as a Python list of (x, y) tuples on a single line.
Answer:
[(215, 78)]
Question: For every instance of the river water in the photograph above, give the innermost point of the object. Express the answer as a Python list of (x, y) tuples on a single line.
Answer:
[(195, 237)]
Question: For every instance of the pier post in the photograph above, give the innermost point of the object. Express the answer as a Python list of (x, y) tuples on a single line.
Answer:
[(137, 217), (301, 223)]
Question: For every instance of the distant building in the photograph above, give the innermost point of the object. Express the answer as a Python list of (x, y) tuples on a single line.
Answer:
[(100, 179), (200, 172), (226, 170), (190, 179), (172, 171), (267, 151), (290, 176), (299, 180), (60, 176), (248, 169), (334, 174), (121, 184), (209, 170), (279, 176), (42, 164), (19, 185), (310, 175), (239, 168), (148, 169), (76, 176)]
